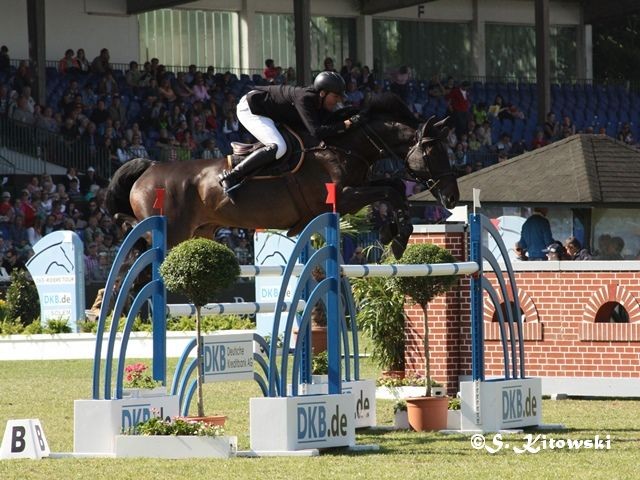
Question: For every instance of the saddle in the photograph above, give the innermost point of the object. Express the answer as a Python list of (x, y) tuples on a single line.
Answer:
[(292, 160)]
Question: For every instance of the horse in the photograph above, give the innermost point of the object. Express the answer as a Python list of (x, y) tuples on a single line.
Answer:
[(195, 205)]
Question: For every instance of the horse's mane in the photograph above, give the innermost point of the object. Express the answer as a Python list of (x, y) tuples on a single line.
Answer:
[(389, 106)]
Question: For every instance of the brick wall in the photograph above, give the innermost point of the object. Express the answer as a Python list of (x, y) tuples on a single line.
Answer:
[(561, 302)]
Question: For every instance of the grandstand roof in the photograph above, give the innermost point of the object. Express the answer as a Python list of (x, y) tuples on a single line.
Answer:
[(582, 170)]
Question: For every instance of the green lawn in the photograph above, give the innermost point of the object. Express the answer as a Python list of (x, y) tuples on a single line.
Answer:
[(46, 390)]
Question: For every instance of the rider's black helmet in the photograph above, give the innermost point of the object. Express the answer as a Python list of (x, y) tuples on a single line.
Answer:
[(329, 82)]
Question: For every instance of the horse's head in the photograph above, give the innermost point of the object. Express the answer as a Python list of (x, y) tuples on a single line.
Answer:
[(428, 162)]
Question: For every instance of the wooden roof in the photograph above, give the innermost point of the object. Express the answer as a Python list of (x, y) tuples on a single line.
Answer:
[(582, 170)]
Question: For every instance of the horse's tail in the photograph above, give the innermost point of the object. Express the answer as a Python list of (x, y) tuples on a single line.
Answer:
[(117, 199)]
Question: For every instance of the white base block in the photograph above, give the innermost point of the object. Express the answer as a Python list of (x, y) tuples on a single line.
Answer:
[(281, 424), (453, 419), (496, 405), (97, 422), (174, 446), (364, 396), (312, 452)]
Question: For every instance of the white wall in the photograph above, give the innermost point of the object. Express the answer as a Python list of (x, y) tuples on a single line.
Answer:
[(88, 24)]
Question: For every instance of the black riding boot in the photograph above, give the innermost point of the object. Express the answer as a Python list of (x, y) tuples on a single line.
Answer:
[(231, 179)]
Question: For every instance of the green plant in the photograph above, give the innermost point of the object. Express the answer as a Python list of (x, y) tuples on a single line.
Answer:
[(22, 298), (177, 426), (320, 364), (137, 376), (11, 326), (56, 326), (198, 268), (454, 403), (424, 289), (381, 317), (399, 406), (33, 328)]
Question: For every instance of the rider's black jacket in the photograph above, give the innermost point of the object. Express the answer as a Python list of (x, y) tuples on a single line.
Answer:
[(294, 106)]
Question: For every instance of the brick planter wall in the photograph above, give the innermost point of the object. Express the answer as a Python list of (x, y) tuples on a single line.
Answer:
[(560, 301)]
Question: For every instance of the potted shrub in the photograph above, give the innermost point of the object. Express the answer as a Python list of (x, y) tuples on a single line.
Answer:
[(198, 269), (422, 290), (381, 317)]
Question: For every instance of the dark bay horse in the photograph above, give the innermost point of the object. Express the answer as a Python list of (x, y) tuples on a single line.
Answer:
[(196, 206)]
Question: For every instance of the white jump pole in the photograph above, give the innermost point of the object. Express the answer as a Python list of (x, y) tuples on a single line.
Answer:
[(234, 308)]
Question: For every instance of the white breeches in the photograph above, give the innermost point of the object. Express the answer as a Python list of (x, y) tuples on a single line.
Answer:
[(263, 128)]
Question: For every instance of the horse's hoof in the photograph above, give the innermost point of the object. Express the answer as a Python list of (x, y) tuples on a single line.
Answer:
[(398, 248)]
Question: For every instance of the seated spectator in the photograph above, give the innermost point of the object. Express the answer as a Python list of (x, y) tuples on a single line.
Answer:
[(91, 263), (201, 134), (556, 251), (521, 253), (21, 113), (100, 114), (200, 89), (539, 141), (108, 85), (176, 117), (575, 250), (136, 149), (100, 64), (133, 76), (68, 63), (211, 150), (167, 93), (117, 111), (22, 77), (460, 162), (366, 78), (183, 91), (82, 61), (504, 145), (47, 122), (625, 135), (231, 127), (269, 73), (353, 95), (479, 113), (12, 262), (551, 128), (567, 128), (328, 65), (435, 88)]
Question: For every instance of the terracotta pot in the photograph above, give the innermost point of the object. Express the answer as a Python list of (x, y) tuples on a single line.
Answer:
[(318, 338), (396, 374), (209, 420), (427, 413)]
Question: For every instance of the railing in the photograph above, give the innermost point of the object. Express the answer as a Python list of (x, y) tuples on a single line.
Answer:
[(31, 147)]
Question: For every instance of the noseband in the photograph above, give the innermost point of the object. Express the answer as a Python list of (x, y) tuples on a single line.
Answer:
[(425, 145)]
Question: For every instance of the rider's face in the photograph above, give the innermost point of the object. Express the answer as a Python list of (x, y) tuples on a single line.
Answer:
[(330, 101)]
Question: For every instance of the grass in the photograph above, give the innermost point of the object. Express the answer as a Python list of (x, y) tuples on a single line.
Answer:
[(46, 390)]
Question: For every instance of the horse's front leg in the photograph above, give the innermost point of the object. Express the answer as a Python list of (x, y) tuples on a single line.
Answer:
[(352, 199)]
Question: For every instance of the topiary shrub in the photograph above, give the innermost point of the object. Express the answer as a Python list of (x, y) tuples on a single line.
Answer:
[(22, 298), (198, 269), (424, 289)]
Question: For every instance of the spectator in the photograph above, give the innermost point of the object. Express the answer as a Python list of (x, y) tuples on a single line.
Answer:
[(200, 91), (575, 250), (328, 65), (346, 70), (182, 90), (22, 78), (521, 253), (358, 257), (83, 62), (567, 128), (117, 111), (504, 145), (166, 92), (231, 127), (355, 96), (479, 113), (136, 149), (539, 141), (68, 63), (536, 234), (47, 122), (18, 232), (625, 135), (108, 85), (34, 232), (21, 113), (498, 109), (133, 76), (11, 261), (460, 104), (211, 150), (100, 64), (400, 86), (555, 251), (5, 61), (91, 263), (551, 128), (269, 73)]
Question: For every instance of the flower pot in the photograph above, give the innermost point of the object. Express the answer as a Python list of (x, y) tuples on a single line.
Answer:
[(174, 446), (427, 413), (208, 420), (401, 420), (144, 392), (318, 339)]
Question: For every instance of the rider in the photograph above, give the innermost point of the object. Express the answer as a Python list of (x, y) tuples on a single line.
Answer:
[(309, 106)]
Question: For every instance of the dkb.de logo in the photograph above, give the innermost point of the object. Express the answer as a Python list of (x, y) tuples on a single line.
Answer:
[(316, 423)]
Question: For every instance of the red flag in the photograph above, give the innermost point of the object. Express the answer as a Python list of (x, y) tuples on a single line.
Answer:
[(159, 202), (331, 195)]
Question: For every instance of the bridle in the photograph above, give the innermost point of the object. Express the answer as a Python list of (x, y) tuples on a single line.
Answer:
[(431, 181)]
